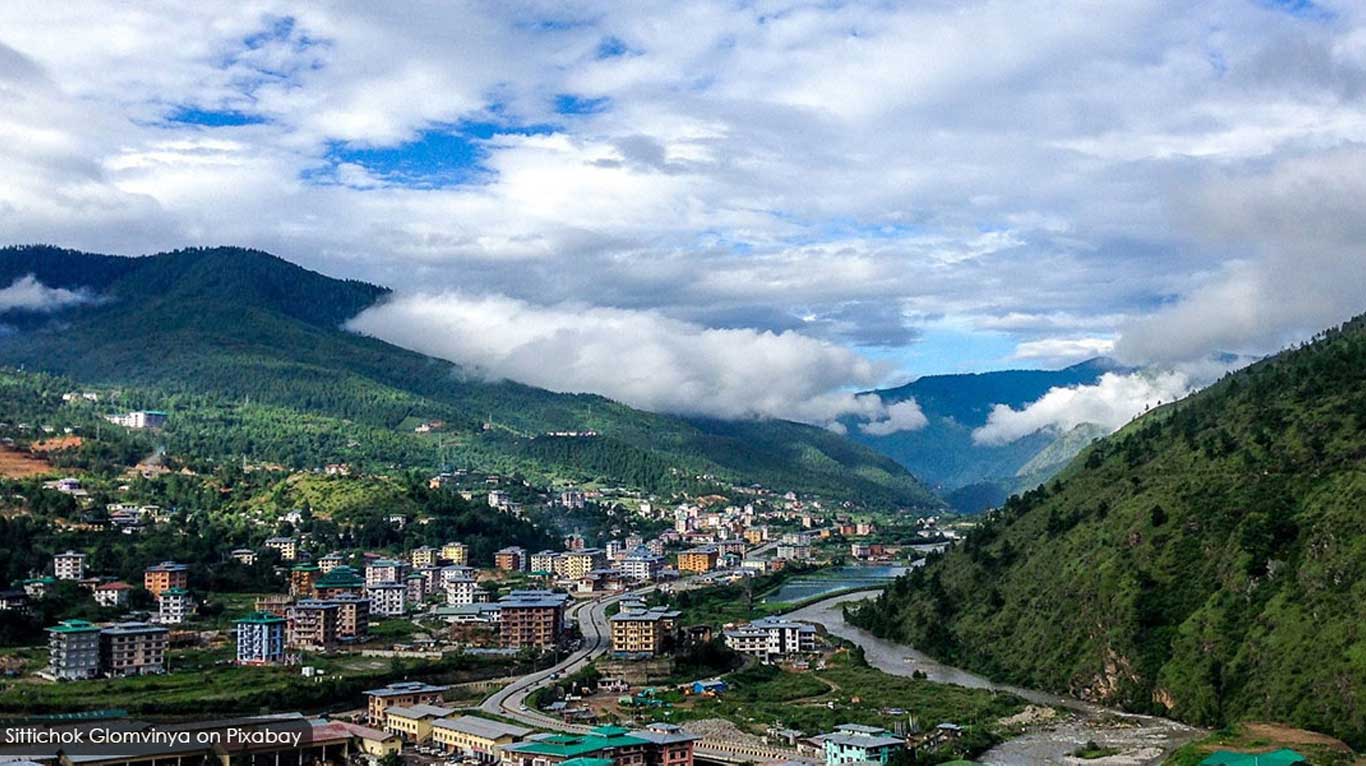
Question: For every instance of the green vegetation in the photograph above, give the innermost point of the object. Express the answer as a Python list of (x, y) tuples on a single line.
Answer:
[(245, 352), (848, 690), (1204, 562), (1093, 751)]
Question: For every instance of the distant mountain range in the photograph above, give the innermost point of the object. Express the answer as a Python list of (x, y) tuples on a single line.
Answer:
[(247, 352), (1206, 561), (970, 476)]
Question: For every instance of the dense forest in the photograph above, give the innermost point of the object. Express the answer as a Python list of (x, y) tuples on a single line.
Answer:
[(1208, 561), (245, 351)]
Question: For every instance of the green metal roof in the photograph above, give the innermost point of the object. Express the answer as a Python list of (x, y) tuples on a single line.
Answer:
[(74, 625), (587, 761), (260, 617), (305, 567), (564, 745), (1278, 757), (341, 576)]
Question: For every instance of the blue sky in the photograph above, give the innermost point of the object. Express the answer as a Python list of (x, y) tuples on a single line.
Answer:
[(847, 194)]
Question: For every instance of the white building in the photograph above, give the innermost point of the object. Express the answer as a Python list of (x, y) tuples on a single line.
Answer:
[(286, 546), (387, 598), (461, 591), (641, 565), (112, 594), (771, 638), (544, 561), (385, 571), (68, 566), (174, 605)]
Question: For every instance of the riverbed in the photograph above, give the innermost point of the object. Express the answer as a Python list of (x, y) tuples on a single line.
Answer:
[(1140, 739)]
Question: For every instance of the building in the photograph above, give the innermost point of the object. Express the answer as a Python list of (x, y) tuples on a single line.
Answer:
[(576, 564), (461, 591), (113, 594), (303, 580), (643, 631), (331, 560), (385, 571), (657, 744), (353, 617), (138, 419), (389, 598), (174, 606), (286, 546), (423, 557), (73, 649), (244, 556), (669, 744), (404, 694), (416, 588), (510, 559), (68, 566), (455, 553), (372, 741), (1282, 756), (37, 588), (312, 625), (531, 619), (772, 638), (499, 499), (476, 737), (414, 723), (342, 580), (133, 648), (698, 560), (544, 561), (260, 639), (641, 564), (164, 576), (853, 744)]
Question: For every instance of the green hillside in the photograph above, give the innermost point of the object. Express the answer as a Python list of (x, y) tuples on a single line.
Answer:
[(244, 349), (1208, 561)]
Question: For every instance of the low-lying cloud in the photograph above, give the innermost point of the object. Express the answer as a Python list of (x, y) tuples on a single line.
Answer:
[(28, 294), (642, 358), (1111, 402)]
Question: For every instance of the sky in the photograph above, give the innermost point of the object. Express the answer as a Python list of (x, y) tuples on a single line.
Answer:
[(733, 208)]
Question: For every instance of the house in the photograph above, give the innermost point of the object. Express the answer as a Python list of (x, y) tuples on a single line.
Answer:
[(772, 638), (285, 545), (511, 559), (423, 557), (669, 744), (698, 560), (244, 556), (68, 566), (711, 687), (645, 632), (174, 605), (113, 594), (854, 744), (455, 553), (414, 723), (476, 737), (260, 639), (372, 741), (404, 694), (164, 576), (38, 588)]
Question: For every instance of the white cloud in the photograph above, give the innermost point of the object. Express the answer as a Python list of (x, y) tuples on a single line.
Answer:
[(1061, 352), (1111, 403), (640, 358), (30, 295), (903, 416)]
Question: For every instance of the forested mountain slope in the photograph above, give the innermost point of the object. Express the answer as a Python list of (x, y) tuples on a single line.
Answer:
[(1208, 561), (246, 351)]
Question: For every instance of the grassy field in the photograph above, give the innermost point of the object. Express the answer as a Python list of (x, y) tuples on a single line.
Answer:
[(847, 691), (1266, 737)]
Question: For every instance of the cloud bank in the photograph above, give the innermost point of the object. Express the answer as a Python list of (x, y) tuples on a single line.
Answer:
[(29, 295), (1111, 402), (641, 358)]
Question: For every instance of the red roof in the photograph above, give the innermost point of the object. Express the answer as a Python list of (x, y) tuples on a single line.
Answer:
[(114, 585)]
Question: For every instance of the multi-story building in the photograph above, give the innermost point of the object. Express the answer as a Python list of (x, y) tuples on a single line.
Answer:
[(138, 419), (113, 594), (73, 648), (772, 638), (164, 576), (353, 617), (732, 547), (657, 744), (574, 541), (303, 580), (853, 744), (174, 605), (331, 560), (260, 639), (697, 560), (68, 566), (423, 557), (404, 694), (643, 631), (641, 564), (244, 556), (510, 559), (416, 587), (312, 625), (133, 648), (385, 571), (455, 553), (615, 549), (461, 591), (575, 564), (287, 546), (414, 724), (669, 744), (476, 738), (531, 619), (499, 499), (544, 561), (342, 580), (388, 598)]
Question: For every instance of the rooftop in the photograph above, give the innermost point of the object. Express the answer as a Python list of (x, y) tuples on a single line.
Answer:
[(482, 727), (407, 687)]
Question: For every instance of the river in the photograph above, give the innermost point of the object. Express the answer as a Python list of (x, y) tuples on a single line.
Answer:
[(1140, 739), (839, 579)]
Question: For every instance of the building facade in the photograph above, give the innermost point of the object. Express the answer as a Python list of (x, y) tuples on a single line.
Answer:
[(260, 639)]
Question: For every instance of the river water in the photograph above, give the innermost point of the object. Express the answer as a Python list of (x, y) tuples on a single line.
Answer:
[(1140, 739), (829, 580)]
